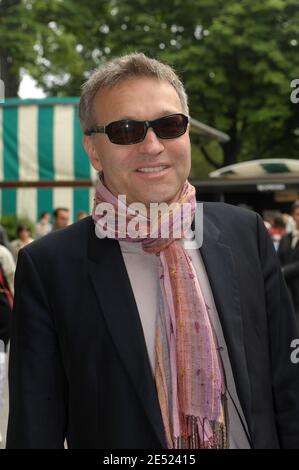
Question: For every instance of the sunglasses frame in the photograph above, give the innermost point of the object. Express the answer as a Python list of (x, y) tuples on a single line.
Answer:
[(146, 126)]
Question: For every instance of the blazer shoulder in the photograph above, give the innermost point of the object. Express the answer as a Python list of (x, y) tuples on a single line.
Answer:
[(73, 237), (229, 213), (235, 226)]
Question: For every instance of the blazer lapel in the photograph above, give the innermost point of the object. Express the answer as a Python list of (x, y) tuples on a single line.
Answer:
[(220, 268), (112, 287)]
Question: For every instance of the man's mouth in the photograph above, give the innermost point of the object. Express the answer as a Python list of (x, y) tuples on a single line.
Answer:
[(155, 169)]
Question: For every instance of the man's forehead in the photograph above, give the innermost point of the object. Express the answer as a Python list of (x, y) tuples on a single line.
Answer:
[(158, 114), (125, 86), (127, 82), (138, 98)]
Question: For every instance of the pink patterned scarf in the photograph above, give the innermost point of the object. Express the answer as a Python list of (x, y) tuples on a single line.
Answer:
[(189, 374)]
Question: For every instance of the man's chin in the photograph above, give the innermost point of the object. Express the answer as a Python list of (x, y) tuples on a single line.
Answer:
[(159, 199), (165, 196)]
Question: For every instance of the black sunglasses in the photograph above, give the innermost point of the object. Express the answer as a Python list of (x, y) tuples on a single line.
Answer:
[(129, 132)]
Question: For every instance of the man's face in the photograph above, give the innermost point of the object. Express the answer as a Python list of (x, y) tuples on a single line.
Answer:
[(140, 99), (295, 215), (24, 234), (62, 219)]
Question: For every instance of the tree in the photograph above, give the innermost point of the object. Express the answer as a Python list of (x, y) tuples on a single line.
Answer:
[(42, 39), (236, 57), (16, 44)]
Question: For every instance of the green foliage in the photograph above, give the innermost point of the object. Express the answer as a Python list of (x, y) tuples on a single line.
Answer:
[(11, 222), (200, 166), (236, 57)]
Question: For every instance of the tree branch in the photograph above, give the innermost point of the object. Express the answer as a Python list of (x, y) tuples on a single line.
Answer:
[(208, 157)]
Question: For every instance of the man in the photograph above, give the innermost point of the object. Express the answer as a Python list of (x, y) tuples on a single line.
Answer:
[(147, 342), (61, 218), (288, 252), (81, 215), (43, 227)]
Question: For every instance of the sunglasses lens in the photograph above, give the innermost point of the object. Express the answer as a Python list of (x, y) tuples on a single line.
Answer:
[(170, 127), (131, 132), (125, 132)]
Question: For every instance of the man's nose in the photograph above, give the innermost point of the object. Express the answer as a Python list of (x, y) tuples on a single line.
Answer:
[(151, 144)]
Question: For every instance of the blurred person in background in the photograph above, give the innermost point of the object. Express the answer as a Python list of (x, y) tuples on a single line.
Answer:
[(61, 216), (268, 225), (23, 238), (289, 222), (8, 265), (288, 252), (4, 238), (277, 231), (7, 270), (43, 226), (81, 215)]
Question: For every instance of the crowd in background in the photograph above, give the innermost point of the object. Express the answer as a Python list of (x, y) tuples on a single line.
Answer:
[(279, 225), (284, 232)]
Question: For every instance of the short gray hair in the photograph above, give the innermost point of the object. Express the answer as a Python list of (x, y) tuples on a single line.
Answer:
[(123, 68)]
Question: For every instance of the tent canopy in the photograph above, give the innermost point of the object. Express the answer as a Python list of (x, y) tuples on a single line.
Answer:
[(259, 168), (42, 161)]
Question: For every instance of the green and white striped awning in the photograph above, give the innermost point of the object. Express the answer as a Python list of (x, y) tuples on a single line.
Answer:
[(41, 148), (259, 168)]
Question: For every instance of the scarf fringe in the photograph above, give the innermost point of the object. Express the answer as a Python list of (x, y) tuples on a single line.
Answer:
[(196, 435)]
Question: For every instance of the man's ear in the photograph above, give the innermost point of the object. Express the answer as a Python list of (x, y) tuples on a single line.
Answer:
[(88, 144)]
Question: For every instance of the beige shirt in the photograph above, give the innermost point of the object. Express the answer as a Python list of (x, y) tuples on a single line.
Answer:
[(42, 229), (142, 269), (8, 265), (17, 244)]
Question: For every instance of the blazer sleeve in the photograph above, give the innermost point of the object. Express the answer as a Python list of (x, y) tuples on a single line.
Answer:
[(283, 329), (291, 270), (37, 384)]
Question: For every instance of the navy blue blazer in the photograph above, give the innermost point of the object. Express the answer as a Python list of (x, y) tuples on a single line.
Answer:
[(79, 367)]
